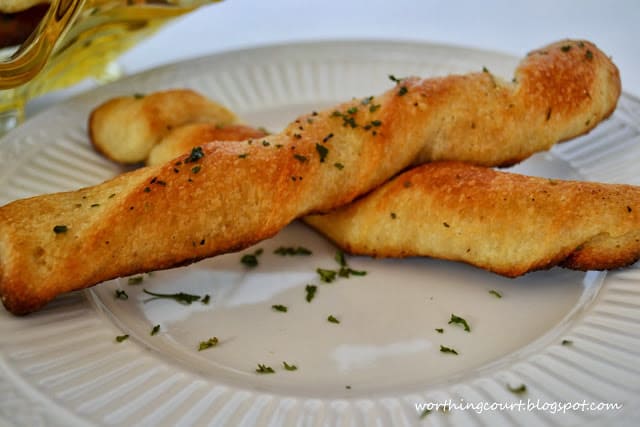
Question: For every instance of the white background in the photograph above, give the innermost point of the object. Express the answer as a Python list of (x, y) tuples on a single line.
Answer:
[(513, 27)]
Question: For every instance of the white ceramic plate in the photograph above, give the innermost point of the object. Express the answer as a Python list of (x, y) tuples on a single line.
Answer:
[(63, 366)]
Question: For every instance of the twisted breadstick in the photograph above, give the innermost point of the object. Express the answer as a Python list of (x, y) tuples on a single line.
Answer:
[(127, 128), (225, 196), (502, 222)]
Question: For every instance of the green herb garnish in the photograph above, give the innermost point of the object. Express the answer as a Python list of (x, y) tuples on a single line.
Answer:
[(495, 293), (402, 91), (424, 413), (196, 169), (206, 299), (196, 154), (211, 342), (280, 307), (138, 95), (136, 280), (120, 294), (311, 292), (180, 297), (327, 276), (251, 260), (300, 158), (155, 330), (264, 369), (338, 166), (461, 321), (60, 229), (517, 390), (332, 319), (567, 342), (121, 338), (290, 250), (322, 152), (444, 349), (289, 367), (394, 78), (439, 330)]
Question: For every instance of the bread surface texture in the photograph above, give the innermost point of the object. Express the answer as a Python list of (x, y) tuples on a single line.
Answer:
[(225, 196), (503, 222), (126, 129)]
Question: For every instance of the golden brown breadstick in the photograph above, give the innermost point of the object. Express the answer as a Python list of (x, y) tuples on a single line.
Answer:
[(226, 196), (502, 222), (183, 138), (125, 129)]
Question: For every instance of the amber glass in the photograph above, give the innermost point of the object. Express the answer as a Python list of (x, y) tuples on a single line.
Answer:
[(70, 41)]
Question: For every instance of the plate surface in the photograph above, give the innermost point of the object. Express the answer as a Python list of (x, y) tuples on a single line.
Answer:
[(63, 366)]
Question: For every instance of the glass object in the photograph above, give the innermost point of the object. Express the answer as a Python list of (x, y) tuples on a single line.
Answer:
[(47, 45)]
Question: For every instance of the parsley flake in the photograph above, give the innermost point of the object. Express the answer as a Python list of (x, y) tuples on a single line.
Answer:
[(121, 338), (280, 307), (206, 299), (58, 229), (211, 342), (439, 330), (332, 319), (181, 297), (135, 280), (461, 321), (120, 294), (495, 293), (338, 166), (322, 152), (311, 292), (264, 369), (300, 158), (327, 276), (289, 250), (251, 260), (444, 349), (289, 367), (517, 390), (196, 154), (567, 342), (424, 413), (155, 330)]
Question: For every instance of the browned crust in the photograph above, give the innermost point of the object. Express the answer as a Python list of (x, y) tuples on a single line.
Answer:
[(240, 193), (503, 222), (126, 128), (182, 139)]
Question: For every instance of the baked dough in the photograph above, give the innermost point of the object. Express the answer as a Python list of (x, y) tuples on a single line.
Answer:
[(503, 222), (125, 129), (226, 196)]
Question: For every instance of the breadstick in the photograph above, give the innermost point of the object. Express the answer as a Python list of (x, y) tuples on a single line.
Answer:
[(125, 129), (225, 196), (182, 139), (503, 222)]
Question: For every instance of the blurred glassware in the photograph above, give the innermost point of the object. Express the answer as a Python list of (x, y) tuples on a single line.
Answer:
[(47, 45)]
